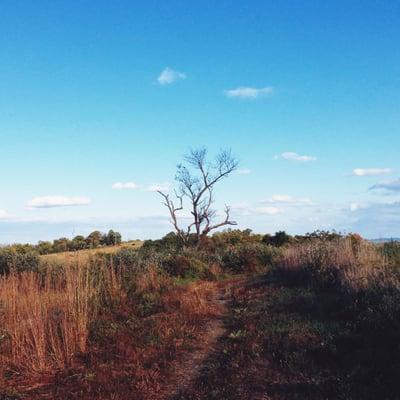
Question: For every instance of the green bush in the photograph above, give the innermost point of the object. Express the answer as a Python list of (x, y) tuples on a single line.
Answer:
[(248, 257), (280, 238), (170, 242), (18, 259), (391, 251), (126, 257), (184, 266)]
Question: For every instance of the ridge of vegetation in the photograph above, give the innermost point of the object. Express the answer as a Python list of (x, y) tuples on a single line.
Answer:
[(305, 317)]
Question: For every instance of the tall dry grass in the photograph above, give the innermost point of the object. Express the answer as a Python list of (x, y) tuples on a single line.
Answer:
[(350, 262), (46, 318)]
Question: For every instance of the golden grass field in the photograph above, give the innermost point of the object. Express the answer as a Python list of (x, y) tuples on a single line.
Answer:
[(82, 254)]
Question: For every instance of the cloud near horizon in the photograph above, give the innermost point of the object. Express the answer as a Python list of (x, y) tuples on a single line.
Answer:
[(371, 171), (4, 214), (57, 201), (163, 187), (124, 185), (244, 209), (292, 156), (288, 200), (268, 210), (168, 76), (244, 92)]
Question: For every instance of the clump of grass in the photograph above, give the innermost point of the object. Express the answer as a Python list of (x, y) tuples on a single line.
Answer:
[(45, 318), (349, 263)]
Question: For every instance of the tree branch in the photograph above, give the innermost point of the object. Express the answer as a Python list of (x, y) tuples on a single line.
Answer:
[(227, 221)]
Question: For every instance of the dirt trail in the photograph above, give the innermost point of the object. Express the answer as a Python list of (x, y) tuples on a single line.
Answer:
[(187, 370)]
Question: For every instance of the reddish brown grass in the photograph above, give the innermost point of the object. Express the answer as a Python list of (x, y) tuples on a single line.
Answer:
[(357, 263), (46, 319)]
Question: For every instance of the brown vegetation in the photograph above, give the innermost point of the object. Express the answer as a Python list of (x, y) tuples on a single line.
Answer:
[(318, 315)]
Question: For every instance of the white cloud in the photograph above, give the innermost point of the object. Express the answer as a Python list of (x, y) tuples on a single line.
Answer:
[(243, 171), (126, 185), (57, 201), (289, 200), (168, 76), (244, 209), (163, 187), (291, 156), (354, 206), (244, 92), (393, 186), (371, 171), (3, 214), (268, 210)]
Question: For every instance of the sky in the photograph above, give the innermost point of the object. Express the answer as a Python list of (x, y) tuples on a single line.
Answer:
[(100, 100)]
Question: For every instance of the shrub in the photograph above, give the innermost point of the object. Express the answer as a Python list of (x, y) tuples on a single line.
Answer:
[(279, 239), (184, 266), (248, 257), (18, 259), (126, 257), (391, 252), (170, 242), (233, 237)]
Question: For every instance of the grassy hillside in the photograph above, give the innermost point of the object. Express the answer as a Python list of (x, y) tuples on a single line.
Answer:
[(68, 256)]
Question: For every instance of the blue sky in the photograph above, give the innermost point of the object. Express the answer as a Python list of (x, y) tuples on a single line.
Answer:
[(94, 93)]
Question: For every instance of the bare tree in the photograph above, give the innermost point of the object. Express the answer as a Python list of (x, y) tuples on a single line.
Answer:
[(196, 179)]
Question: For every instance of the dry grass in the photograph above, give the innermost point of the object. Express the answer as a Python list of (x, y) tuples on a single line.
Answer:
[(131, 325), (352, 262), (46, 318), (193, 300), (72, 256)]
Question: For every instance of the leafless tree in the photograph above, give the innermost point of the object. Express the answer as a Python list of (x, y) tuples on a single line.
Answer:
[(196, 179)]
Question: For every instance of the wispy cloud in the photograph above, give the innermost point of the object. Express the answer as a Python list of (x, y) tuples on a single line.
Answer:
[(4, 214), (268, 210), (245, 92), (393, 186), (57, 201), (288, 200), (243, 171), (124, 185), (245, 209), (168, 76), (292, 156), (371, 171), (163, 187), (355, 206)]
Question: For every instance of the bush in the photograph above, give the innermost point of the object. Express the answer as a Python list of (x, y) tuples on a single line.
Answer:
[(126, 257), (248, 257), (170, 242), (231, 237), (184, 266), (18, 259), (391, 252), (279, 239)]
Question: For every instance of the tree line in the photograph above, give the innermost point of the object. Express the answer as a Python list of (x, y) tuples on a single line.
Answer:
[(94, 240)]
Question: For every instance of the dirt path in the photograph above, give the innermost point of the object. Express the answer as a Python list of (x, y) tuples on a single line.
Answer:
[(188, 369)]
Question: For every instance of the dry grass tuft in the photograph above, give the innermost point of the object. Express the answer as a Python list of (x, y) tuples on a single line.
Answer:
[(46, 318), (352, 263)]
